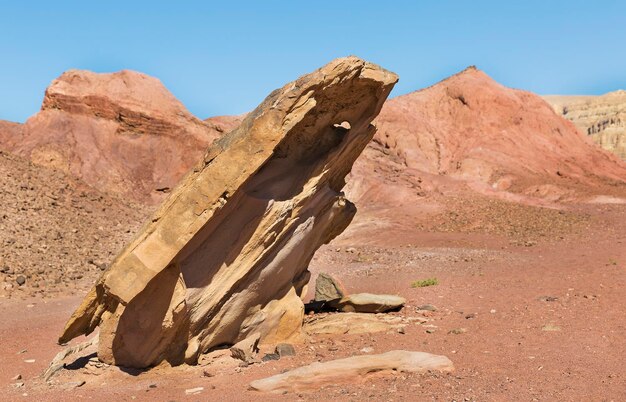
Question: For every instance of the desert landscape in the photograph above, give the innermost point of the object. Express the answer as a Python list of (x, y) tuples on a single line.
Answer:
[(296, 201), (490, 227)]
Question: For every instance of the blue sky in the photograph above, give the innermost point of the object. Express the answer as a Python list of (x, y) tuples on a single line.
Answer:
[(222, 58)]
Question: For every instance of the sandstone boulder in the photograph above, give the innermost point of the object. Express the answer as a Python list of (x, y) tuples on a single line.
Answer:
[(368, 303), (356, 368), (226, 256)]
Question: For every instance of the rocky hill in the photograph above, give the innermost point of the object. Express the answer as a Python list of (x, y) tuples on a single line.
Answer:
[(601, 117), (122, 133), (470, 132), (56, 233)]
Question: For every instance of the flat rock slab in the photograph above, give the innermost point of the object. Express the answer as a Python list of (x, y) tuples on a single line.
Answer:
[(317, 374), (369, 303), (351, 323)]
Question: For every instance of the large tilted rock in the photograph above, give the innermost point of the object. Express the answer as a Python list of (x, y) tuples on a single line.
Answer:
[(226, 255), (351, 369)]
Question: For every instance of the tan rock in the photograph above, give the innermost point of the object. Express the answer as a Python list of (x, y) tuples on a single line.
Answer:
[(351, 323), (246, 349), (328, 287), (227, 253), (356, 368), (369, 303)]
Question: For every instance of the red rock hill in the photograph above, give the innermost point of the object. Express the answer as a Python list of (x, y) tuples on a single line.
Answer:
[(122, 132)]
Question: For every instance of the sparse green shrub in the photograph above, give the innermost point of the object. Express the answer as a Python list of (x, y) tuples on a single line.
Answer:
[(425, 282)]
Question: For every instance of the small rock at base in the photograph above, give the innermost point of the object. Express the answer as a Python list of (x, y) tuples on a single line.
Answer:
[(328, 287), (246, 349), (285, 349), (20, 280), (17, 377), (427, 307), (270, 356)]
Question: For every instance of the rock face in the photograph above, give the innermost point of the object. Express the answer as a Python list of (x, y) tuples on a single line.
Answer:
[(601, 117), (354, 368), (226, 255), (122, 132)]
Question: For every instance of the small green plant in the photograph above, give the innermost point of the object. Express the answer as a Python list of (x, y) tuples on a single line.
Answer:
[(425, 282)]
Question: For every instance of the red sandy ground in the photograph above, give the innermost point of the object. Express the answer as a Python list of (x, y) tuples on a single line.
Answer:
[(492, 285)]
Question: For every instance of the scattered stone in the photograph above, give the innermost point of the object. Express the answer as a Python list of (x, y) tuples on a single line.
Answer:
[(328, 288), (402, 330), (152, 386), (247, 349), (29, 361), (194, 391), (270, 356), (430, 331), (470, 316), (285, 349), (367, 349), (550, 328), (351, 323), (17, 377), (427, 307), (189, 282), (548, 298), (351, 250), (57, 363), (492, 311), (73, 384), (20, 280), (317, 375), (369, 303), (457, 331), (18, 385)]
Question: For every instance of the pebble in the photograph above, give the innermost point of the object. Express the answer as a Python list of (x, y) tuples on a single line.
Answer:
[(427, 307), (17, 377), (270, 356), (367, 349), (20, 280), (194, 391), (285, 349), (29, 361)]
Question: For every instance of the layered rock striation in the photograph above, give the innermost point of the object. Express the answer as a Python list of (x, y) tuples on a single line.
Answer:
[(225, 257), (601, 117), (122, 132)]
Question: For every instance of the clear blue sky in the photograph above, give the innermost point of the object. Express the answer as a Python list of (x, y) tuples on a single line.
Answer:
[(224, 58)]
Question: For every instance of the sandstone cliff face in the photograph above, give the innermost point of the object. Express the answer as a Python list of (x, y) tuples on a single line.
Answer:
[(601, 117), (225, 257), (121, 132)]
